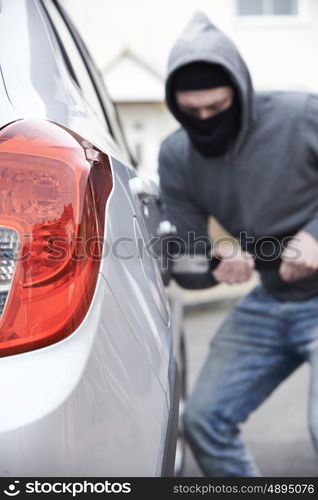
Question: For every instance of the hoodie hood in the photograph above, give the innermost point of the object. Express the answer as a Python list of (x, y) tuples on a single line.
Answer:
[(202, 41)]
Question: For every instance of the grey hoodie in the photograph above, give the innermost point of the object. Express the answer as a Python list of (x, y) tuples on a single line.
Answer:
[(266, 185)]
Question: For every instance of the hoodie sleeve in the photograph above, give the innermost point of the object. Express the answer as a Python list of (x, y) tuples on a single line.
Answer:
[(311, 131), (189, 251)]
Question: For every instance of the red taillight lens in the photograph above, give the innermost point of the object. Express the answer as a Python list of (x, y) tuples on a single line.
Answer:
[(53, 192)]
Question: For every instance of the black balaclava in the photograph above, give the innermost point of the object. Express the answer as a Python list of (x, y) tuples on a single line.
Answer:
[(210, 136)]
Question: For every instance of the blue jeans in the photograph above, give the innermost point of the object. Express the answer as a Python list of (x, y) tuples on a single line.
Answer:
[(261, 342)]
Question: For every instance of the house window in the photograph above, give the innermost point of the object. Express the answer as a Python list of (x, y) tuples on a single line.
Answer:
[(267, 7)]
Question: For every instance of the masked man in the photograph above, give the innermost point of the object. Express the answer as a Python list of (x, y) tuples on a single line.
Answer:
[(251, 160)]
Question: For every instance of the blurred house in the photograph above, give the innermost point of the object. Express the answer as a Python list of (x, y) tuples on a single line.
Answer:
[(131, 39)]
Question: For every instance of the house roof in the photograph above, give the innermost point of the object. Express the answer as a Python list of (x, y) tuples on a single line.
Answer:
[(130, 80)]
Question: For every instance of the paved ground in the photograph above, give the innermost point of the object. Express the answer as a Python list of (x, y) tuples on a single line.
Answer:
[(276, 433)]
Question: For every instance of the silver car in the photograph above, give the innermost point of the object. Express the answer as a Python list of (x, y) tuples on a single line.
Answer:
[(88, 377)]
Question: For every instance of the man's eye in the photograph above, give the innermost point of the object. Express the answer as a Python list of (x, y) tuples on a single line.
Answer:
[(216, 109), (190, 111)]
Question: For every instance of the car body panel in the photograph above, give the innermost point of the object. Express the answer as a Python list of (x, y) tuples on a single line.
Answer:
[(98, 402), (146, 309), (71, 394)]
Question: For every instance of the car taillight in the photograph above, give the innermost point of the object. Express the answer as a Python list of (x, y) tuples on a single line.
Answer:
[(53, 191)]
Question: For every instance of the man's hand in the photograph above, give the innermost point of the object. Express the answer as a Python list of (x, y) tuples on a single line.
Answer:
[(236, 266), (300, 258)]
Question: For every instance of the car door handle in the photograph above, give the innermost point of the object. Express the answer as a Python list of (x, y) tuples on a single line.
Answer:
[(146, 189)]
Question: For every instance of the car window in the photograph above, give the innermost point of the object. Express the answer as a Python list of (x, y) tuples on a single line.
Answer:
[(84, 72), (74, 61)]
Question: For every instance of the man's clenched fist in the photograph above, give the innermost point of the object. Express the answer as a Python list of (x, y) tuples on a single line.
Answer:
[(235, 267), (300, 258)]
